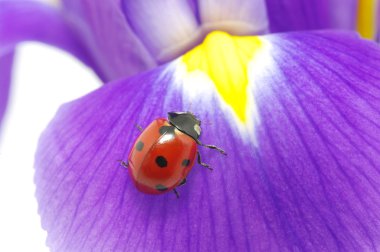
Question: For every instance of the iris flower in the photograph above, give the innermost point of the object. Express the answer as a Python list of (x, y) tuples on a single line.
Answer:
[(298, 114)]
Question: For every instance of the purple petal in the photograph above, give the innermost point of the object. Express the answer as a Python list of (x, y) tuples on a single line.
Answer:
[(104, 28), (29, 20), (240, 17), (308, 183), (167, 28), (6, 63), (313, 14)]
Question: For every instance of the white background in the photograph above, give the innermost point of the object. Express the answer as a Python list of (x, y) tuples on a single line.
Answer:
[(43, 79)]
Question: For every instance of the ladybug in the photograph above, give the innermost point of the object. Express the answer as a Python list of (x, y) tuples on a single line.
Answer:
[(164, 153)]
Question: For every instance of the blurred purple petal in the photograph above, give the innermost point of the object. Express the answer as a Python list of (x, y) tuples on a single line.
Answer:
[(310, 181), (170, 28), (239, 17), (132, 36), (107, 34), (193, 4), (312, 14), (33, 21), (6, 62), (167, 28)]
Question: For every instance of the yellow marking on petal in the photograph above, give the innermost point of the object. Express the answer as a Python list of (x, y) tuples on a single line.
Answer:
[(225, 59), (366, 18)]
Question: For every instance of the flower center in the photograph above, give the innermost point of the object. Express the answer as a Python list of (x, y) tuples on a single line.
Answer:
[(225, 60)]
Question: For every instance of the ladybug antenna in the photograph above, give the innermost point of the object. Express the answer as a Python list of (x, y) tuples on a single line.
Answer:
[(213, 147)]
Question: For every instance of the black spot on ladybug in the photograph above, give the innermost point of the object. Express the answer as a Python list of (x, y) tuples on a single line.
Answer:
[(166, 129), (161, 161), (139, 146), (186, 162), (161, 188)]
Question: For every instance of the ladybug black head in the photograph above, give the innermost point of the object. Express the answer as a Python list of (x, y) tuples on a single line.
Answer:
[(186, 122)]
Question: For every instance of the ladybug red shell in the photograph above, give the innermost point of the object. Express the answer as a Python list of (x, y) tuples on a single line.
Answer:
[(165, 152)]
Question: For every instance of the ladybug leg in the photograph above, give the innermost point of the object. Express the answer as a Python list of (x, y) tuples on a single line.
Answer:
[(123, 163), (203, 164), (213, 147), (176, 193), (139, 128), (182, 182)]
